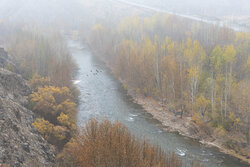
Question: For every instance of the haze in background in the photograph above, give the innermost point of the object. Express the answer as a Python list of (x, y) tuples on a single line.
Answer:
[(216, 8), (76, 11), (46, 12)]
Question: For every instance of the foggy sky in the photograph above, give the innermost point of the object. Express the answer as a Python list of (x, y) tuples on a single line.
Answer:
[(49, 11)]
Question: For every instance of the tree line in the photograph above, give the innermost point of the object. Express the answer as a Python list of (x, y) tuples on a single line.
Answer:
[(45, 55), (194, 68)]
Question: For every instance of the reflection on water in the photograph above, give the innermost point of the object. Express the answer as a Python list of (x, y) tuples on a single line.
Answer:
[(102, 96)]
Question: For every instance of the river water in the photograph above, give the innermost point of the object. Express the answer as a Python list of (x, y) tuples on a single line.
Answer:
[(102, 96)]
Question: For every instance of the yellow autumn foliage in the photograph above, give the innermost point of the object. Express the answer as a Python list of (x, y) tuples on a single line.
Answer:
[(58, 109), (220, 131), (196, 118), (63, 119), (67, 107), (44, 127), (50, 101)]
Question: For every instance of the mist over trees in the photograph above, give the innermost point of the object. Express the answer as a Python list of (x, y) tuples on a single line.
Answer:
[(47, 57), (190, 67), (195, 69)]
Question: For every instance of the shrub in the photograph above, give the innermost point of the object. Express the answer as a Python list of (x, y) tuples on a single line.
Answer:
[(44, 127), (107, 144), (50, 101), (58, 110), (38, 82), (196, 118), (220, 131)]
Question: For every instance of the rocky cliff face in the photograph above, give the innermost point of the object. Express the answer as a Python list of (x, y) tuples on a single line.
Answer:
[(21, 145), (5, 62)]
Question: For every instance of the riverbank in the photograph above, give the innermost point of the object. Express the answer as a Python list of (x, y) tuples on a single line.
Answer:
[(172, 123), (184, 126)]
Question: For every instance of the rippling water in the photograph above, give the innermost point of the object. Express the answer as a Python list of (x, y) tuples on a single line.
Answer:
[(102, 96)]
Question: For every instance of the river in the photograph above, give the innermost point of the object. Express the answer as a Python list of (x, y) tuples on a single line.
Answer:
[(102, 96)]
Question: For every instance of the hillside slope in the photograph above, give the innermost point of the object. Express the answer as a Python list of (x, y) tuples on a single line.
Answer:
[(20, 143)]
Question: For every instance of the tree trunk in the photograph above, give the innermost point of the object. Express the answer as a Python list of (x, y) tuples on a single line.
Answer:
[(226, 92), (157, 71)]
